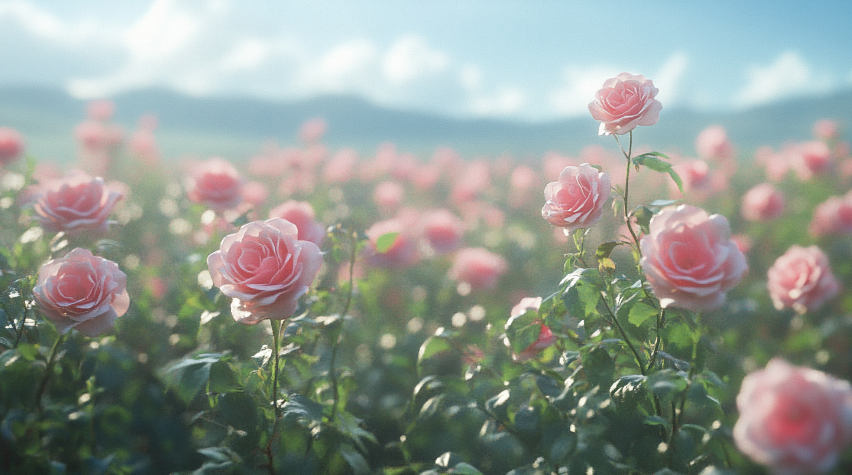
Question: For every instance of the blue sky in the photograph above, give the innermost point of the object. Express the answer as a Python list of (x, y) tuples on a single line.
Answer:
[(524, 59)]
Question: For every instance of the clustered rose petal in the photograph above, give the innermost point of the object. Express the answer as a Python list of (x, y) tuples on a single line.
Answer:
[(624, 102), (76, 203), (577, 200), (801, 279), (762, 203), (690, 259), (265, 269), (11, 145), (478, 267), (216, 184), (832, 217), (81, 291), (793, 419), (302, 214)]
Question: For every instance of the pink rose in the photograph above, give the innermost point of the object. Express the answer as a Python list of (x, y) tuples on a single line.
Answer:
[(265, 269), (690, 259), (403, 251), (388, 195), (802, 279), (301, 213), (11, 145), (545, 338), (312, 130), (77, 203), (443, 230), (625, 102), (832, 217), (795, 420), (810, 159), (826, 129), (713, 144), (216, 184), (577, 200), (478, 267), (762, 203), (81, 291)]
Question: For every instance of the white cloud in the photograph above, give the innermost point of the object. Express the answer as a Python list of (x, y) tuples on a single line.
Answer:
[(579, 89), (668, 78), (507, 101), (411, 57), (471, 77), (789, 75), (247, 54), (47, 26)]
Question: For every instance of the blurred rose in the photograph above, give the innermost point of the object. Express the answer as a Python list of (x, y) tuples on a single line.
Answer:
[(811, 159), (100, 109), (825, 129), (143, 146), (762, 203), (689, 258), (11, 145), (77, 203), (443, 230), (776, 164), (255, 193), (801, 279), (545, 338), (624, 102), (832, 217), (576, 201), (81, 291), (312, 130), (388, 195), (743, 242), (795, 420), (341, 167), (478, 267), (301, 213), (265, 269), (403, 251), (712, 144), (216, 184)]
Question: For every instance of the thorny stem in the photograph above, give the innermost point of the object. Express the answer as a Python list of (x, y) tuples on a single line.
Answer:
[(624, 335), (51, 360), (661, 318), (627, 154), (276, 331)]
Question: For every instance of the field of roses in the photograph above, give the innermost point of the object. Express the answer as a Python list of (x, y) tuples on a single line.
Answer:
[(314, 311)]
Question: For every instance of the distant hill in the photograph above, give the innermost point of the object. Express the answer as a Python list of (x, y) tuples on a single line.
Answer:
[(237, 128)]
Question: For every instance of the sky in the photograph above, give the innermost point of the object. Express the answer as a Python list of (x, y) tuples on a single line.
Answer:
[(529, 60)]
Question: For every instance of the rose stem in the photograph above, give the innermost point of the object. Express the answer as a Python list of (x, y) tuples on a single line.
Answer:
[(276, 330), (51, 360), (627, 155)]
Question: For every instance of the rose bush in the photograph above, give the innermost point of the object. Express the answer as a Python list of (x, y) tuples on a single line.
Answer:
[(690, 259), (76, 204), (577, 199), (265, 269), (802, 279), (796, 420), (81, 291), (624, 102)]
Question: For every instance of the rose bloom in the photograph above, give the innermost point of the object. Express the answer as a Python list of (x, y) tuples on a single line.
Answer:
[(576, 201), (478, 267), (832, 217), (216, 184), (826, 129), (402, 253), (546, 337), (81, 291), (11, 145), (811, 159), (312, 130), (712, 144), (76, 204), (624, 102), (301, 213), (443, 230), (388, 195), (795, 420), (690, 259), (265, 269), (801, 279), (762, 203)]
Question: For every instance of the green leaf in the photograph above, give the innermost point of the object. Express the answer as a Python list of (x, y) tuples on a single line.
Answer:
[(640, 313), (523, 330), (628, 391), (599, 367), (605, 249), (386, 241), (299, 407), (643, 215), (465, 468), (582, 292), (354, 459), (222, 378), (667, 383), (654, 161), (239, 410)]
